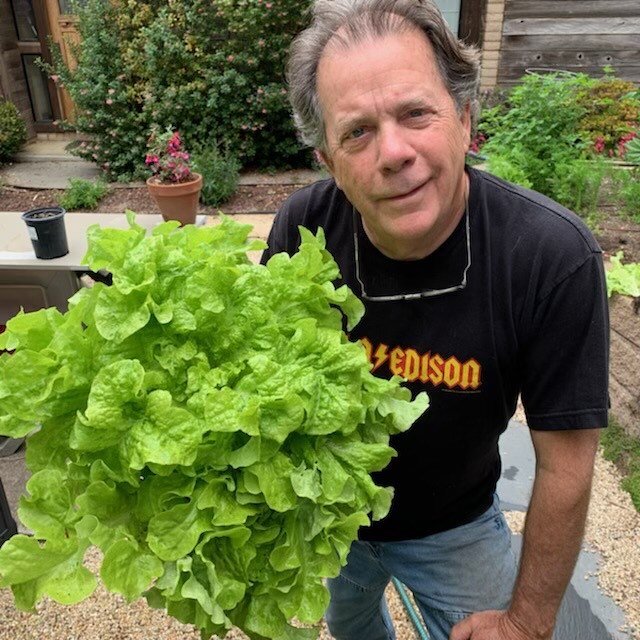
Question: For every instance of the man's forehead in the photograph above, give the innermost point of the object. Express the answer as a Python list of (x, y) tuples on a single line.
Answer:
[(349, 36), (343, 66)]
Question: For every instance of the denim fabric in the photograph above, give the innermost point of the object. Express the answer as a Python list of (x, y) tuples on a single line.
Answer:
[(451, 574)]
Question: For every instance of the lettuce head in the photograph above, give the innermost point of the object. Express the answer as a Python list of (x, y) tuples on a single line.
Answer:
[(205, 422)]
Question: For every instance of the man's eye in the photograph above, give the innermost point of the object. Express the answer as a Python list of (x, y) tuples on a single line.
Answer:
[(358, 132), (416, 113)]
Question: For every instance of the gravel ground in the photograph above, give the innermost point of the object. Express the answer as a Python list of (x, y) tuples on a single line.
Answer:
[(613, 530)]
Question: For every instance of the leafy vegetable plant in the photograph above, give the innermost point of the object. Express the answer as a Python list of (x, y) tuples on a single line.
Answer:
[(83, 194), (623, 278), (205, 422)]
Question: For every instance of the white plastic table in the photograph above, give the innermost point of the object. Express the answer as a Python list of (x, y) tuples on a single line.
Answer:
[(32, 283)]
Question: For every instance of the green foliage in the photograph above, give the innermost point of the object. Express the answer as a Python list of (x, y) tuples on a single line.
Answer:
[(220, 171), (83, 194), (627, 191), (630, 193), (493, 106), (509, 167), (537, 132), (578, 183), (632, 154), (205, 422), (13, 131), (623, 278), (210, 70), (550, 129), (611, 110), (624, 451)]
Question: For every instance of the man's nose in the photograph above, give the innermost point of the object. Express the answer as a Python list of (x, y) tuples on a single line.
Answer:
[(395, 150)]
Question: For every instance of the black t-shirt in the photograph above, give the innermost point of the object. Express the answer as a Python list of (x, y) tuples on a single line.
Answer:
[(532, 319)]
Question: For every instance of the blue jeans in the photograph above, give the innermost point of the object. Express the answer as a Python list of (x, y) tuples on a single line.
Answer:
[(451, 575)]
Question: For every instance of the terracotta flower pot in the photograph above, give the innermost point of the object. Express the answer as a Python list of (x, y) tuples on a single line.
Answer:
[(177, 201)]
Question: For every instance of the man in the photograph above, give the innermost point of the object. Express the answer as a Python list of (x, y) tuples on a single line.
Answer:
[(475, 290)]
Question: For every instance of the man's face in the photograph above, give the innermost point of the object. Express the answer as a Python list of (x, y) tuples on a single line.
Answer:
[(395, 141)]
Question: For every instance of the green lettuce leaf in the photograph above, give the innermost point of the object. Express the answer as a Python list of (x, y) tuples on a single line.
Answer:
[(206, 423)]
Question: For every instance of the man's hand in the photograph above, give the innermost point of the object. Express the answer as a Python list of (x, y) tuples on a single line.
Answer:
[(491, 625)]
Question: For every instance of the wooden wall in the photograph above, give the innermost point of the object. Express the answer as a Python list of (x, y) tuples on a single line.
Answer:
[(575, 35), (13, 85)]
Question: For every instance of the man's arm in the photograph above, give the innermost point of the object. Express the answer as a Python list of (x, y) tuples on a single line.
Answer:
[(552, 537)]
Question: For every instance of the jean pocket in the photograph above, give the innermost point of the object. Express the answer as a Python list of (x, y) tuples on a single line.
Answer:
[(350, 583)]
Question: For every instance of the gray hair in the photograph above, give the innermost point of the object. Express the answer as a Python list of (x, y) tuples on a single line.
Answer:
[(351, 21)]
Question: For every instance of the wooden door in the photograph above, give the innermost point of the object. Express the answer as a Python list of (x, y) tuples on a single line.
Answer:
[(64, 33)]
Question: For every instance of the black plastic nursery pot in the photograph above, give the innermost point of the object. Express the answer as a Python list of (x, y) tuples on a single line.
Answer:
[(47, 232)]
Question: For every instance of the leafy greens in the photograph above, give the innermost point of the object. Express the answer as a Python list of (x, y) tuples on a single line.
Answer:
[(205, 422), (623, 278)]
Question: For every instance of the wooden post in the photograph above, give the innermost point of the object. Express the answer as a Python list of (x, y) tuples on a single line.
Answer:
[(472, 20)]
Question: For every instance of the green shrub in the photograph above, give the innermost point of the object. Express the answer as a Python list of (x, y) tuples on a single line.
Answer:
[(538, 131), (83, 194), (210, 70), (577, 186), (13, 131), (630, 194), (220, 172), (611, 110), (508, 167), (632, 153)]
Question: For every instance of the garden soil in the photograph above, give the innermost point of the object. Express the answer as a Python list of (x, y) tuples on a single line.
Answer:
[(264, 198)]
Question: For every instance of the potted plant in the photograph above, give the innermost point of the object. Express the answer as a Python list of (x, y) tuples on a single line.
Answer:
[(47, 232), (173, 186)]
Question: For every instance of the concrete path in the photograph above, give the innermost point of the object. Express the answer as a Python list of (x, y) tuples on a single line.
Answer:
[(47, 164)]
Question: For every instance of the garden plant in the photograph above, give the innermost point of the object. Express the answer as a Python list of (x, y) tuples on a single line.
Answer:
[(83, 194), (205, 422), (215, 71), (13, 131), (553, 132)]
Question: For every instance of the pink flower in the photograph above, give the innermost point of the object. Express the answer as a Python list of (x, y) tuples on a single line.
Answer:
[(111, 91), (167, 158), (268, 5), (622, 143), (598, 145), (55, 78), (109, 101), (230, 58)]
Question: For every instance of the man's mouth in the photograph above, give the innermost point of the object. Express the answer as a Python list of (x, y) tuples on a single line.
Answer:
[(406, 194)]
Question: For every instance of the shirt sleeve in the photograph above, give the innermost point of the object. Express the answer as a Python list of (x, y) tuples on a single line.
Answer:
[(565, 360)]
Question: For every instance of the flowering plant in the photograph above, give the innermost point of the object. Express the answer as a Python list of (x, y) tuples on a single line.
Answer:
[(166, 158)]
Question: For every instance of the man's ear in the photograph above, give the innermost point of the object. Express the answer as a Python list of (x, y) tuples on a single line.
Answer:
[(324, 159)]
